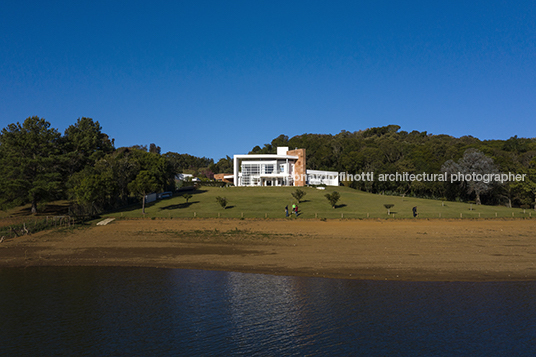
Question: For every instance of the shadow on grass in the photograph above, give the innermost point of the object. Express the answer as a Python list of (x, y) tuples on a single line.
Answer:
[(134, 207), (229, 207), (190, 192), (340, 206), (48, 210), (137, 206), (178, 206)]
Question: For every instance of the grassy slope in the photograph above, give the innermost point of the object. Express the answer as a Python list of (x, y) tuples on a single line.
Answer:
[(260, 202)]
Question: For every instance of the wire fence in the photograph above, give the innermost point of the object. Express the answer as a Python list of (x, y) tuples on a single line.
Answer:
[(12, 228), (228, 214)]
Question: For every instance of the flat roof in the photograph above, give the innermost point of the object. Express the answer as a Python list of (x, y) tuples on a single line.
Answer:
[(266, 156)]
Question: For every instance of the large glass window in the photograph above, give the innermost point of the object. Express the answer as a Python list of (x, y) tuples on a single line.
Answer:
[(268, 169), (251, 169)]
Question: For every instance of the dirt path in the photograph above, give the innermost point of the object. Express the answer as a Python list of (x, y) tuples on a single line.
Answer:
[(438, 250)]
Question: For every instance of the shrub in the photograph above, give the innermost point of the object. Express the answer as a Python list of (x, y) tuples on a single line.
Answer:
[(333, 198), (222, 201), (186, 196), (298, 194)]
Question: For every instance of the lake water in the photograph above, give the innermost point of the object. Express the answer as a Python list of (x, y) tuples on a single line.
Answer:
[(99, 311)]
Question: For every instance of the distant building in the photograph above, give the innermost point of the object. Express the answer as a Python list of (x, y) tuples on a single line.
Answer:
[(157, 196), (286, 168), (317, 177), (184, 177), (228, 178)]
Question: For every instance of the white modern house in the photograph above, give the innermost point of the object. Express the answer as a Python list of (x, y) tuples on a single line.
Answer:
[(286, 168)]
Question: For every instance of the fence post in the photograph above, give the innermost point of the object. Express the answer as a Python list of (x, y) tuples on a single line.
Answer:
[(460, 215)]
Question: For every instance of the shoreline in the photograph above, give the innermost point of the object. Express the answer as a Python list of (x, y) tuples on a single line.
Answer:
[(406, 250)]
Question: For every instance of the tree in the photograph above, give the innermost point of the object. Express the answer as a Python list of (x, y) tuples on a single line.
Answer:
[(281, 140), (85, 143), (222, 201), (180, 163), (30, 163), (157, 165), (154, 149), (388, 206), (144, 183), (527, 187), (92, 191), (122, 168), (187, 197), (333, 198), (139, 147), (473, 163), (298, 194), (205, 172), (224, 165)]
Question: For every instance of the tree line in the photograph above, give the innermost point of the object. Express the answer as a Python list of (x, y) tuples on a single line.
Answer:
[(388, 150), (39, 164)]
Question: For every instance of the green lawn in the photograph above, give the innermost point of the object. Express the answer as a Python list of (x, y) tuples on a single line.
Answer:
[(270, 202)]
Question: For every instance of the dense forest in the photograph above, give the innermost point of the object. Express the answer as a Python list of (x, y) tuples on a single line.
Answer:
[(388, 150), (38, 164)]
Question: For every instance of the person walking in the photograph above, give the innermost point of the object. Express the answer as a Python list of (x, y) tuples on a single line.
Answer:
[(296, 210), (286, 211)]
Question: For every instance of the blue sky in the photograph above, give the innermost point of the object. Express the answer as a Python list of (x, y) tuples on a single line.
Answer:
[(216, 78)]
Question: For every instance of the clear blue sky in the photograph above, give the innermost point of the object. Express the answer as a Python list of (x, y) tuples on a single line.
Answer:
[(216, 78)]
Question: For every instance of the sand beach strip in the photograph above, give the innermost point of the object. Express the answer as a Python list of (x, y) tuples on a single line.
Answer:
[(409, 250)]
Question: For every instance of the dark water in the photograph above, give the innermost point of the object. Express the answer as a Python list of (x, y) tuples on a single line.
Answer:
[(91, 311)]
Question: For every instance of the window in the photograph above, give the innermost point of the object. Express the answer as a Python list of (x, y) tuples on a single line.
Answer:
[(250, 169), (268, 169)]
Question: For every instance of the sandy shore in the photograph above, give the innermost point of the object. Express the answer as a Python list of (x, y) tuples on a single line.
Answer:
[(413, 250)]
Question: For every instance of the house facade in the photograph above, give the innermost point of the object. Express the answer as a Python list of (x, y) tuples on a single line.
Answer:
[(286, 168)]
